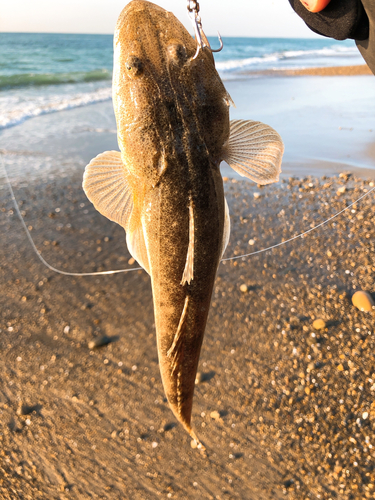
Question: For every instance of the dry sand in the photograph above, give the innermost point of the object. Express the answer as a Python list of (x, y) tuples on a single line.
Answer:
[(285, 411)]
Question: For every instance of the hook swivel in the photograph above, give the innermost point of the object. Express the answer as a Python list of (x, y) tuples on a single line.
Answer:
[(193, 12)]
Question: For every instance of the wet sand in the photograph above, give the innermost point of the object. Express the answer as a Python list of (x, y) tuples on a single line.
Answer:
[(327, 125), (362, 69), (284, 410)]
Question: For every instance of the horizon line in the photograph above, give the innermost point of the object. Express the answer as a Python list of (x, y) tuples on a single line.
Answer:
[(316, 37)]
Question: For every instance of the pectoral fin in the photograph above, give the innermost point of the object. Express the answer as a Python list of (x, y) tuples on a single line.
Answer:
[(254, 150), (106, 186)]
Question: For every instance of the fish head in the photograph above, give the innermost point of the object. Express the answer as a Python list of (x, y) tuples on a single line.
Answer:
[(165, 100)]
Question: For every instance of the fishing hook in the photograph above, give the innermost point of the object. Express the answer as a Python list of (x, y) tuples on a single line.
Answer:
[(193, 11)]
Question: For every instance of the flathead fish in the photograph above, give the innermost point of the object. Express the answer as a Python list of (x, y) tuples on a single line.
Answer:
[(164, 187)]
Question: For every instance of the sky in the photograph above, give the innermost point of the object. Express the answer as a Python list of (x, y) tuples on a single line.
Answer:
[(268, 18)]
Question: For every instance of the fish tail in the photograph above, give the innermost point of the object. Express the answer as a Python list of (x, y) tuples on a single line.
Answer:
[(197, 443)]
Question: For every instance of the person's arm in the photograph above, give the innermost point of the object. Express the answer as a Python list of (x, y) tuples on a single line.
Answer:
[(367, 46), (341, 19)]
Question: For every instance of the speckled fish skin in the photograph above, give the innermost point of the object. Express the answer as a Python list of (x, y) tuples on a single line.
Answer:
[(173, 119)]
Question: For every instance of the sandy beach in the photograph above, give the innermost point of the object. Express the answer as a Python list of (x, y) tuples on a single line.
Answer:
[(281, 407), (328, 71), (285, 410)]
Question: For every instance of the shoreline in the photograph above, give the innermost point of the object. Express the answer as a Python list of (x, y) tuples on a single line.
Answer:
[(286, 399), (356, 70), (326, 123)]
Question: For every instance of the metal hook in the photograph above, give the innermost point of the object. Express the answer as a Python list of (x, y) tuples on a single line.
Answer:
[(221, 44), (199, 33)]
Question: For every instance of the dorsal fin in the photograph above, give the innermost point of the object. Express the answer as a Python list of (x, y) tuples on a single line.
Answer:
[(188, 273), (174, 351)]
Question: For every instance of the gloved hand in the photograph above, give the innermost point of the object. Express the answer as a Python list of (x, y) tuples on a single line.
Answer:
[(315, 5)]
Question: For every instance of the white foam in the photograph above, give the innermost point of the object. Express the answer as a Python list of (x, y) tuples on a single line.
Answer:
[(18, 107), (332, 54)]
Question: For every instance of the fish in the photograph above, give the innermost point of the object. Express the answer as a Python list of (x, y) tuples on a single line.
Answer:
[(164, 186)]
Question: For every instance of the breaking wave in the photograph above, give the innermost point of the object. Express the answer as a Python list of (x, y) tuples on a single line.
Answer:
[(16, 110), (296, 58)]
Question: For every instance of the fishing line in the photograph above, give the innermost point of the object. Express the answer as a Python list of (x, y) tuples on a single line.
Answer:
[(301, 235), (39, 255), (117, 271)]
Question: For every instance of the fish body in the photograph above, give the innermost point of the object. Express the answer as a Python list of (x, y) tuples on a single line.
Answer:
[(164, 186)]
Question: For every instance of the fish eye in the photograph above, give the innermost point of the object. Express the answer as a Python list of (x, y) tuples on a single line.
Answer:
[(177, 53), (134, 66)]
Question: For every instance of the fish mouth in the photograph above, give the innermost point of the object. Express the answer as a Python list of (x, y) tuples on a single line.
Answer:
[(141, 5)]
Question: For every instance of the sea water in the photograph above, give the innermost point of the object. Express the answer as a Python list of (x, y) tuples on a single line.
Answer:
[(45, 73)]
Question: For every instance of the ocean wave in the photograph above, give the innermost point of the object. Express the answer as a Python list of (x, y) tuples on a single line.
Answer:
[(17, 111), (39, 79), (330, 53), (239, 64)]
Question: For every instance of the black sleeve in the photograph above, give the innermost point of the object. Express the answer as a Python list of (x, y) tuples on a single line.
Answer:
[(341, 19)]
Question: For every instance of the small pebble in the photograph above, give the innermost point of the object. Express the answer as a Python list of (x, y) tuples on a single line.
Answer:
[(23, 409), (131, 261), (243, 288), (66, 329), (251, 242), (257, 195), (345, 175), (319, 324), (98, 342), (198, 378), (363, 301), (341, 190), (193, 444), (215, 415)]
